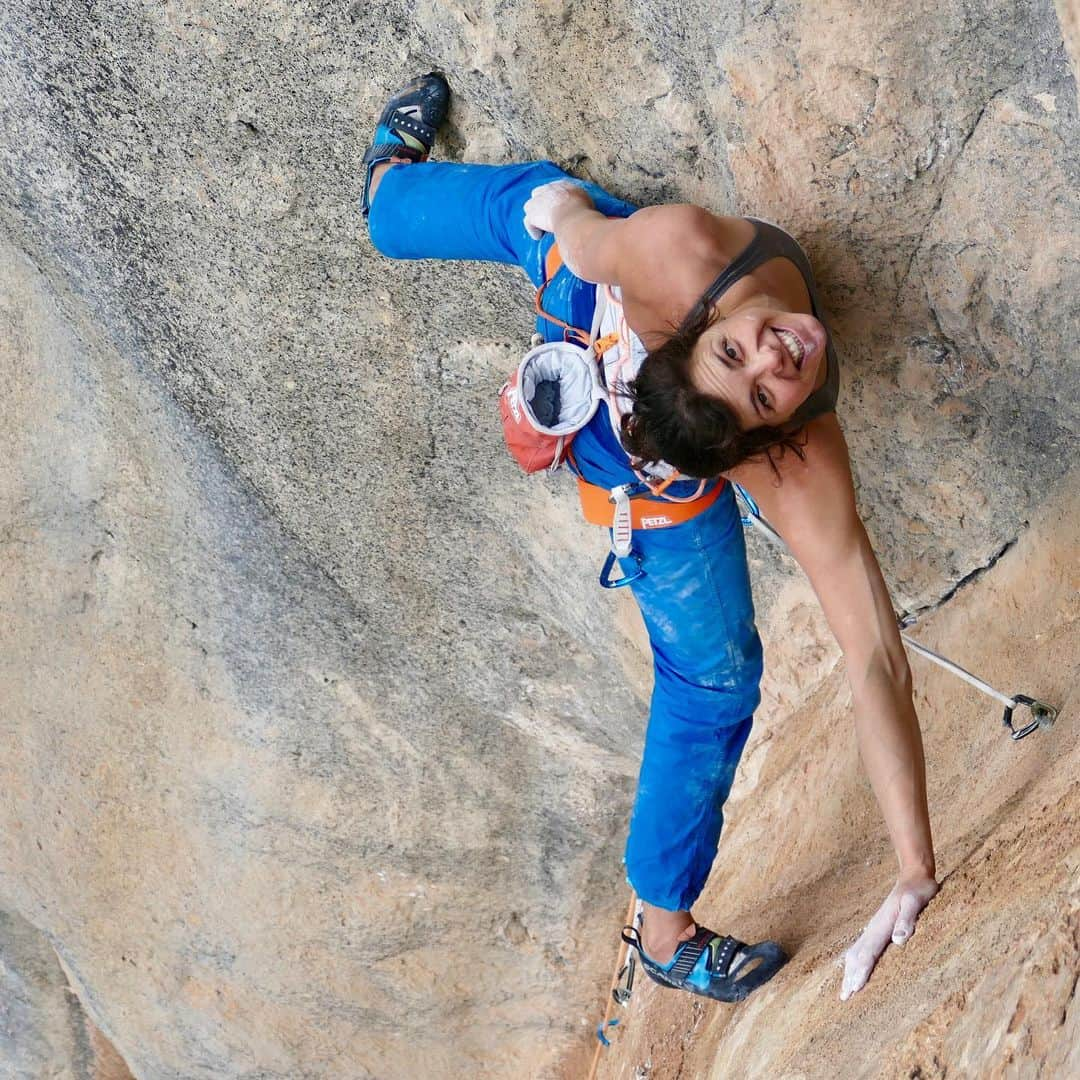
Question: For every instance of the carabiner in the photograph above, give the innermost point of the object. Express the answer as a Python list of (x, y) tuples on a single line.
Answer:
[(624, 984), (609, 562), (1044, 715)]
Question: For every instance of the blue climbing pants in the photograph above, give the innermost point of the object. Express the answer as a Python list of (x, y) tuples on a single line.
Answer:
[(695, 594)]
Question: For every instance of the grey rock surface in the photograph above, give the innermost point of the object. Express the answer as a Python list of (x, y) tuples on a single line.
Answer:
[(305, 672), (41, 1028), (44, 1031), (264, 837)]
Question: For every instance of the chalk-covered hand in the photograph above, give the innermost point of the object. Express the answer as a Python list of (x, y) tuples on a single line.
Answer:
[(550, 200), (893, 922)]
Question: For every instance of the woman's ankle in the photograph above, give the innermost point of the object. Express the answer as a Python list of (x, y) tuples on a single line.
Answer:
[(379, 171), (662, 931)]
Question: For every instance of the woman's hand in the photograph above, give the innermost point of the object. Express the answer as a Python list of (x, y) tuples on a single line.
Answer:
[(893, 922), (549, 202)]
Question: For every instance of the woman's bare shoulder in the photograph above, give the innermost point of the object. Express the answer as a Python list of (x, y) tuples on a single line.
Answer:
[(671, 254), (802, 485), (682, 229)]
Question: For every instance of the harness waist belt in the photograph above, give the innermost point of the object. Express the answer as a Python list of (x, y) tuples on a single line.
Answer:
[(598, 508)]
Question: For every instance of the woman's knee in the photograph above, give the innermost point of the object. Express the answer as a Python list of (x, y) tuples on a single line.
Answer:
[(703, 642)]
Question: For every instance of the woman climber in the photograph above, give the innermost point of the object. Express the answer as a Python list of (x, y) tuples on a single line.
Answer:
[(726, 372)]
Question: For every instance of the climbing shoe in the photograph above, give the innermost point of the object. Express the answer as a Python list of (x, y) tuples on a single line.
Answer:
[(704, 964), (407, 125)]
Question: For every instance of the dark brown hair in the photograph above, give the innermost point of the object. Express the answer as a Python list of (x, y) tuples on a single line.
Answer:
[(673, 421)]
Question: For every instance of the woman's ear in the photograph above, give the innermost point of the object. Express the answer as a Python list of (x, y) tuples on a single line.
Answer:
[(629, 429)]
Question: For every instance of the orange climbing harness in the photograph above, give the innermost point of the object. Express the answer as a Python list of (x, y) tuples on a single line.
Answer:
[(597, 505)]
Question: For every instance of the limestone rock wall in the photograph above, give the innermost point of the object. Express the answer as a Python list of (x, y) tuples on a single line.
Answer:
[(260, 836), (321, 742), (40, 1029)]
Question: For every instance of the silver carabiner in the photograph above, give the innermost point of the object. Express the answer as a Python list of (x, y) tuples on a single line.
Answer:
[(1043, 715)]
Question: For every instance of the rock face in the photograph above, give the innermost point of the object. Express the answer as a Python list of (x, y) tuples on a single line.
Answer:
[(242, 811), (320, 743), (43, 1029), (39, 1022)]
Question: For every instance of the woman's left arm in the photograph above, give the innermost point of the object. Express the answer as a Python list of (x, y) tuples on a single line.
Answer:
[(813, 509)]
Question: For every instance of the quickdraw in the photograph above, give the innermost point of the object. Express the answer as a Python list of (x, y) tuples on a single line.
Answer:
[(622, 985), (1043, 715)]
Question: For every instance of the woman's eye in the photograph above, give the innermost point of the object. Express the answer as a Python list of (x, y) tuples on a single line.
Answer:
[(763, 398), (729, 351)]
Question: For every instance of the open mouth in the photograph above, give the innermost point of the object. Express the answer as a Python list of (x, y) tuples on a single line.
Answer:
[(793, 344)]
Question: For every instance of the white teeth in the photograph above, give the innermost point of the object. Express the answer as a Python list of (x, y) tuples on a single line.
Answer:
[(792, 344)]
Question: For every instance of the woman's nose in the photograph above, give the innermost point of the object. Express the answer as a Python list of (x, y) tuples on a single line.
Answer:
[(771, 360)]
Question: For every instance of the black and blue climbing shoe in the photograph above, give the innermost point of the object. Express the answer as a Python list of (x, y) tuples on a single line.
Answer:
[(407, 125), (704, 964)]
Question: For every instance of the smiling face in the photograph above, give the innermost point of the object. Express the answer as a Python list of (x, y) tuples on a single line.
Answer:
[(762, 363)]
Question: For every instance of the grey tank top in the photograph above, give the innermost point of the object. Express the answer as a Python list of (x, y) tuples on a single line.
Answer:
[(770, 241)]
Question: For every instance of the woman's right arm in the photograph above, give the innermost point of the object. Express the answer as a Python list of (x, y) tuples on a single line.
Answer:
[(611, 251), (589, 242)]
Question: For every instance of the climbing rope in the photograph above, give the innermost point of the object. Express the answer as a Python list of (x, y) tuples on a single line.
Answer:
[(622, 983), (1043, 715)]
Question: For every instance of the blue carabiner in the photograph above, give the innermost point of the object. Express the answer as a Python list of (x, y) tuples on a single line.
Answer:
[(609, 562)]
